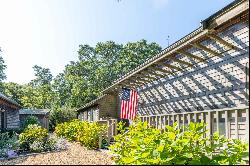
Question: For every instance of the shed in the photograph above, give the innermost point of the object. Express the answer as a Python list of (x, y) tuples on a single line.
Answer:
[(9, 115), (41, 114)]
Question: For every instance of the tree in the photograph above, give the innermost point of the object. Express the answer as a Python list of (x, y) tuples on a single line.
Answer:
[(37, 94), (13, 91), (41, 88), (43, 76), (97, 67), (2, 74), (83, 80), (60, 115)]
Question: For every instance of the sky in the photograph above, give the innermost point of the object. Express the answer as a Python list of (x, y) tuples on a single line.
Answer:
[(48, 32)]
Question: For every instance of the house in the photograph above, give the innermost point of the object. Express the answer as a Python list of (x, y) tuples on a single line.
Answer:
[(41, 114), (101, 108), (204, 76), (9, 113)]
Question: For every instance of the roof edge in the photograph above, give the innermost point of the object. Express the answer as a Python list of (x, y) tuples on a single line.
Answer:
[(208, 21), (92, 103), (10, 101)]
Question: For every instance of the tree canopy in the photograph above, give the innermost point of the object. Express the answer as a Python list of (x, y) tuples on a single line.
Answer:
[(2, 72)]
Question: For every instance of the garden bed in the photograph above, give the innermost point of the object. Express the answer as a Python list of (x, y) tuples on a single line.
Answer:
[(74, 155)]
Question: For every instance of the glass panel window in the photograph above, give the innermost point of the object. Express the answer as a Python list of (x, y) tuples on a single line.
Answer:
[(222, 127), (91, 115)]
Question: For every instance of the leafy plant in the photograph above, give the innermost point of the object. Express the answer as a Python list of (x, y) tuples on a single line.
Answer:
[(7, 143), (37, 146), (143, 144), (12, 132), (90, 138), (31, 134), (30, 120), (86, 133), (60, 115)]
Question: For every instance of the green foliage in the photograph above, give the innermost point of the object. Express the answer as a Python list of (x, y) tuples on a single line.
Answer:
[(105, 62), (31, 134), (69, 130), (8, 142), (86, 133), (60, 115), (30, 120), (43, 76), (77, 84), (36, 94), (2, 72), (90, 138), (143, 144), (51, 143), (13, 91), (2, 68), (13, 131)]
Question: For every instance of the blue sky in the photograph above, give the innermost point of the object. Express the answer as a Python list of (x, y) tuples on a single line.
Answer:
[(48, 32)]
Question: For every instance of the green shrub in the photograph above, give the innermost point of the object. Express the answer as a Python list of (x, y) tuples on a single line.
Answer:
[(69, 130), (30, 120), (12, 132), (60, 115), (90, 137), (86, 133), (8, 142), (143, 144), (31, 134), (50, 144)]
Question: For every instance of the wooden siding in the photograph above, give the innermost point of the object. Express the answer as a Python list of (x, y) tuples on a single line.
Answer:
[(12, 117), (105, 108), (43, 119)]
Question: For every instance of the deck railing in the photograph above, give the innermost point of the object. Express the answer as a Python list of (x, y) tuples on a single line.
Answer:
[(230, 122), (111, 129)]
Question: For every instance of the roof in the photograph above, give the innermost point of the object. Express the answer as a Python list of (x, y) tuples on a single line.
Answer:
[(3, 97), (34, 111), (92, 103), (227, 8), (168, 61)]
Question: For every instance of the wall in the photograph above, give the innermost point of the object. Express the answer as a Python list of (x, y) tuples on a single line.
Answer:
[(218, 83), (105, 107), (13, 119), (109, 107), (44, 121)]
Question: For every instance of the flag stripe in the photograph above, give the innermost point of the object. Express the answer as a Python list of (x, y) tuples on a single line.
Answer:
[(128, 104)]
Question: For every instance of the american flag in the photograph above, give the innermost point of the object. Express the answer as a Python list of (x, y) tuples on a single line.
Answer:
[(129, 103)]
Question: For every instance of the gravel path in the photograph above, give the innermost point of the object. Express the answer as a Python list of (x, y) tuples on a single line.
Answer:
[(75, 155)]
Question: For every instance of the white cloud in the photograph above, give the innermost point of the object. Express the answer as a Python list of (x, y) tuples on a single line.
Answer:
[(159, 4)]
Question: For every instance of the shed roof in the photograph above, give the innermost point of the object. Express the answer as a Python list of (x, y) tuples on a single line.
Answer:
[(34, 111)]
